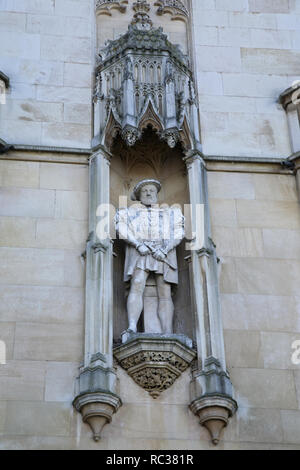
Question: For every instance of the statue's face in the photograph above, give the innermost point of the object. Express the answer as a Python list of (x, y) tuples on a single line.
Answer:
[(148, 194)]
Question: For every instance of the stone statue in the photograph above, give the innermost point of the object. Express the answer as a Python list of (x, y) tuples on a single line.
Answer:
[(151, 234)]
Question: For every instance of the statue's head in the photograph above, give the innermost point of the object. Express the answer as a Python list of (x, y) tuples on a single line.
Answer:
[(146, 191)]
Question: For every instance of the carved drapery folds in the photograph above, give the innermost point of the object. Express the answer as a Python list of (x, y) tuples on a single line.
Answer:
[(143, 79), (175, 8)]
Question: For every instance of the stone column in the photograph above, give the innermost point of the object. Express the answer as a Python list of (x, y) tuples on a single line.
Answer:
[(295, 161), (211, 389), (290, 101), (97, 399)]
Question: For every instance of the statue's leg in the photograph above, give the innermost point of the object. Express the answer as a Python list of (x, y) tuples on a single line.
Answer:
[(165, 304), (135, 299)]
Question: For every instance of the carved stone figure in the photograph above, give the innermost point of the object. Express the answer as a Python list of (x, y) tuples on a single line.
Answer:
[(151, 234)]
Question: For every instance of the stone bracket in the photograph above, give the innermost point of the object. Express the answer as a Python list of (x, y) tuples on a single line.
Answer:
[(96, 399), (214, 412), (155, 361), (212, 397), (97, 409)]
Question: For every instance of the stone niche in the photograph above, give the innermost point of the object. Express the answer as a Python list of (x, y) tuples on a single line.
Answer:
[(156, 361), (150, 158)]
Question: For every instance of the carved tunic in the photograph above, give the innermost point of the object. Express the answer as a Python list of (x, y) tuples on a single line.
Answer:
[(161, 228)]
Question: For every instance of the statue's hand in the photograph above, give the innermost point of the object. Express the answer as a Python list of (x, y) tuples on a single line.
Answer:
[(143, 250), (159, 255)]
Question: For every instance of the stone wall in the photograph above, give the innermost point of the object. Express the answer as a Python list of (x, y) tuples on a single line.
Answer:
[(47, 52), (246, 53), (43, 229)]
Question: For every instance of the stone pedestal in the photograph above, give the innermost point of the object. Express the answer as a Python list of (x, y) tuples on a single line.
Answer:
[(155, 361)]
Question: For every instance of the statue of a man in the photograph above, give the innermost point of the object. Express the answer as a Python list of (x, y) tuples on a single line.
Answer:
[(151, 234)]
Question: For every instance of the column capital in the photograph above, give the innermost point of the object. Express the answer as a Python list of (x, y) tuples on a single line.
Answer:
[(100, 150), (295, 161), (192, 156)]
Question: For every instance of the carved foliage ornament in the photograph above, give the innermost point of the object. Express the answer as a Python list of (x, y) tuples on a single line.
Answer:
[(104, 7), (154, 364), (176, 8)]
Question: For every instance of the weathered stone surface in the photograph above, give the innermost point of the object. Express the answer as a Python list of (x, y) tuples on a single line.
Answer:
[(68, 134), (22, 380), (37, 418), (232, 5), (269, 6), (58, 26), (275, 187), (223, 212), (71, 205), (291, 423), (41, 304), (61, 233), (25, 266), (252, 20), (71, 49), (48, 342), (60, 381), (219, 59), (283, 244), (260, 425), (265, 388), (19, 174), (63, 177), (164, 421), (7, 335), (63, 94), (297, 381), (10, 21), (77, 113), (228, 278), (272, 61), (24, 46), (230, 186), (2, 416), (267, 276), (276, 350), (17, 232), (260, 312), (238, 242), (268, 214), (242, 348), (26, 202)]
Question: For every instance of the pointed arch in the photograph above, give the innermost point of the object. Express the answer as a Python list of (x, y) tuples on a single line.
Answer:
[(149, 117)]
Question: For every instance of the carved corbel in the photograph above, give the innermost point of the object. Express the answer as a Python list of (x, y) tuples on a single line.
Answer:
[(104, 7), (131, 135), (175, 8)]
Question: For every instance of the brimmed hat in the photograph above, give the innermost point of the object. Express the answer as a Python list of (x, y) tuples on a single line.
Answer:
[(140, 185)]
